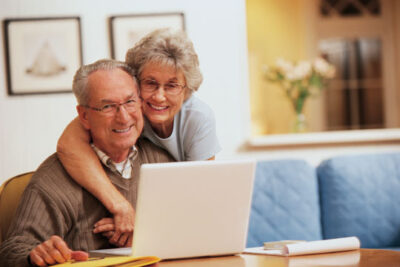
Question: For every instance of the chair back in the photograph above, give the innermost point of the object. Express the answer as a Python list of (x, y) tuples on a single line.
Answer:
[(285, 203), (360, 197), (10, 194)]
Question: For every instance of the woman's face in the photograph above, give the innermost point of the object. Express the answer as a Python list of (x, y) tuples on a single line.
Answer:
[(161, 105)]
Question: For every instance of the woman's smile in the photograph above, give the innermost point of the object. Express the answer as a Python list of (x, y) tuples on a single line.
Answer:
[(157, 107)]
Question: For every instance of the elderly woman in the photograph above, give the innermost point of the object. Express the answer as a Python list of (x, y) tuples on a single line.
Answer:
[(167, 69)]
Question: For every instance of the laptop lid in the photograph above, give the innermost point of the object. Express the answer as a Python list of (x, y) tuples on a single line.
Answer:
[(192, 209)]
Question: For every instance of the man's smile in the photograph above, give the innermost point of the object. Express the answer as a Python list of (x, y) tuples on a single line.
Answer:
[(125, 130)]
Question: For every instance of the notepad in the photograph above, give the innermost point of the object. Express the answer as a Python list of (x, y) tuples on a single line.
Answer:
[(111, 261), (280, 244), (312, 247)]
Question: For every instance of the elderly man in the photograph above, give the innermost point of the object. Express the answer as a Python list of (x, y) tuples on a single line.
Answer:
[(56, 216)]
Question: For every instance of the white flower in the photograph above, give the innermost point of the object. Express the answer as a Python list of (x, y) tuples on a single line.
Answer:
[(300, 71), (284, 65), (300, 81), (322, 67)]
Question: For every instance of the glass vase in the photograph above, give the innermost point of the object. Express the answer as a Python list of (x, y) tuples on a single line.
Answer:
[(299, 124)]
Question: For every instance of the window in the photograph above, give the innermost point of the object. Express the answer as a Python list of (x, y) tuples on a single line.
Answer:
[(355, 35), (348, 8), (354, 100)]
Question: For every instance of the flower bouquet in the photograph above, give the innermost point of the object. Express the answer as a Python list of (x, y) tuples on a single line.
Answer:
[(299, 81)]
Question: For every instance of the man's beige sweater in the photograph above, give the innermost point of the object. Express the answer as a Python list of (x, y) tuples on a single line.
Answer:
[(53, 204)]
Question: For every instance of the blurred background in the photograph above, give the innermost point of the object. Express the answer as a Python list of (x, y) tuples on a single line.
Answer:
[(359, 37)]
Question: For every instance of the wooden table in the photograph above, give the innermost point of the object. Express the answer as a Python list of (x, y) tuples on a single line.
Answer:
[(360, 258)]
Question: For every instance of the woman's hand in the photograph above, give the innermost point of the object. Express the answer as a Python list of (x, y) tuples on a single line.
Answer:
[(106, 227), (85, 168), (124, 217)]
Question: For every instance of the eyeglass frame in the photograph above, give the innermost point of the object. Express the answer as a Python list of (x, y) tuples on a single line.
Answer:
[(116, 105), (168, 92)]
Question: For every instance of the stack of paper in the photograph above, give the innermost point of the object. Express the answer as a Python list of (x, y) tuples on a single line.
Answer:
[(313, 247), (346, 259)]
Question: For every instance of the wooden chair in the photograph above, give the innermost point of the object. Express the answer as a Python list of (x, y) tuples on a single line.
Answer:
[(10, 194)]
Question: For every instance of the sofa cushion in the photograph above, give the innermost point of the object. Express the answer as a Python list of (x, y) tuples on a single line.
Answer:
[(285, 203), (360, 196)]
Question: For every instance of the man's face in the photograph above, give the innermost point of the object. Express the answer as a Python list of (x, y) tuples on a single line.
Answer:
[(116, 131)]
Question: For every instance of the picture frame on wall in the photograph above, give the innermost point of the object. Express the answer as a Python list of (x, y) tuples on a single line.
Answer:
[(126, 30), (42, 54)]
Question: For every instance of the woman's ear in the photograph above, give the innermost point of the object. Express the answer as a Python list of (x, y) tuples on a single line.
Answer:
[(83, 116), (188, 93)]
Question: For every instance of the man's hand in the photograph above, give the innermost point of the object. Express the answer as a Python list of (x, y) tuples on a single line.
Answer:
[(53, 251), (106, 227)]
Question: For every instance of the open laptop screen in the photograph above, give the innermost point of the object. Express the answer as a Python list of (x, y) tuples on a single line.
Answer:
[(192, 209)]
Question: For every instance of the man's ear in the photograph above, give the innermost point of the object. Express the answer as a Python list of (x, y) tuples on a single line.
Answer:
[(83, 116)]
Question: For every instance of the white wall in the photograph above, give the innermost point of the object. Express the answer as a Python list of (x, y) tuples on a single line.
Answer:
[(31, 125)]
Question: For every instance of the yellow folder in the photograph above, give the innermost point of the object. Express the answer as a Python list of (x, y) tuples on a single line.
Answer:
[(112, 261)]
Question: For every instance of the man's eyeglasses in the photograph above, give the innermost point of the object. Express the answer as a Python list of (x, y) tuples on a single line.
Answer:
[(150, 86), (113, 108)]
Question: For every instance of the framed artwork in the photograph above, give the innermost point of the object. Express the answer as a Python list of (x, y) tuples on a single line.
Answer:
[(126, 30), (42, 54)]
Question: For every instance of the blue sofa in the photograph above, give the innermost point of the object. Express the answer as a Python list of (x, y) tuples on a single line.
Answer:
[(356, 195)]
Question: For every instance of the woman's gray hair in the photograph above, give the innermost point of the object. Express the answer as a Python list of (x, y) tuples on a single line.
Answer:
[(168, 47), (79, 85)]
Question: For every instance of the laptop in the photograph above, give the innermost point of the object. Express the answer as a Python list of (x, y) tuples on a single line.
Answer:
[(191, 209)]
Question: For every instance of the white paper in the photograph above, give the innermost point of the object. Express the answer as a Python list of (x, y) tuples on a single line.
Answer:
[(115, 251), (313, 247)]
